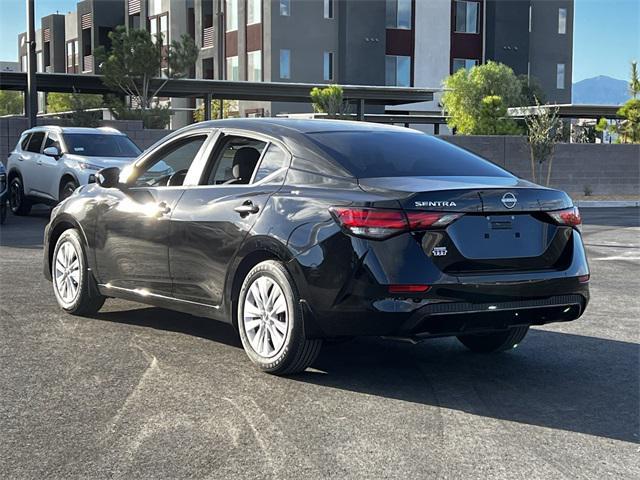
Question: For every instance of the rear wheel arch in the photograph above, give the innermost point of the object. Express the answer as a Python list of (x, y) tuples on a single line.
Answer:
[(238, 275)]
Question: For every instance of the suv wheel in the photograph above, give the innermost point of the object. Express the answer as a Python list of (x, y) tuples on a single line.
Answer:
[(66, 189), (73, 284), (494, 341), (270, 321), (19, 204)]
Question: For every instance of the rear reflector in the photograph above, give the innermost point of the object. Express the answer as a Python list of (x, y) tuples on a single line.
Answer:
[(569, 217), (584, 278), (379, 223), (408, 288)]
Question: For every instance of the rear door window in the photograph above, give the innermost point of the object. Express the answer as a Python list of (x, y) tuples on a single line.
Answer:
[(236, 161), (273, 160), (35, 142)]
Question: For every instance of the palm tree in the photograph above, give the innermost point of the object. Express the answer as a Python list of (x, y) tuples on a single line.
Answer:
[(634, 83)]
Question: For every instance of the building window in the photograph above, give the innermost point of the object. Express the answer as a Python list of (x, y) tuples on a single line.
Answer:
[(159, 25), (254, 66), (285, 8), (560, 76), (398, 71), (328, 66), (39, 62), (23, 60), (231, 15), (328, 8), (254, 11), (233, 69), (285, 63), (399, 14), (467, 63), (562, 21), (467, 17)]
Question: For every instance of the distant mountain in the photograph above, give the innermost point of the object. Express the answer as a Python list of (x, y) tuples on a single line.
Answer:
[(601, 90)]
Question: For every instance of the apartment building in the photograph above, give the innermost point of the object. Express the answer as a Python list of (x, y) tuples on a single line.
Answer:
[(372, 42)]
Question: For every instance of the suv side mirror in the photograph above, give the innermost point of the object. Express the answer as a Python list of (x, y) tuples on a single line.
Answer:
[(52, 152), (108, 177)]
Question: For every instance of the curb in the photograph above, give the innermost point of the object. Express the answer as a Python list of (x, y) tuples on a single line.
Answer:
[(606, 203)]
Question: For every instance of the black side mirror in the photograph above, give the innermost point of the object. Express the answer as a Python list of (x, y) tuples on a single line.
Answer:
[(52, 152), (108, 177)]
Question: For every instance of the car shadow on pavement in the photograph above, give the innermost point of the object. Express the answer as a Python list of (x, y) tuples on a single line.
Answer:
[(24, 232), (553, 380), (172, 321)]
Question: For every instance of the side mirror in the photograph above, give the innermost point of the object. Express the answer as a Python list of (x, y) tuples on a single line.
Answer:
[(108, 177), (52, 152)]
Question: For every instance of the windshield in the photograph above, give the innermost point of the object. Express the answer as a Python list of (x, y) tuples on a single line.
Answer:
[(100, 145), (370, 154)]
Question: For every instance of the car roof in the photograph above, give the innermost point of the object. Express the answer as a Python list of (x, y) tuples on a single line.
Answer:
[(76, 130), (268, 125)]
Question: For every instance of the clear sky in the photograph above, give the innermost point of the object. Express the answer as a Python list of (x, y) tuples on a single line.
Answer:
[(606, 33)]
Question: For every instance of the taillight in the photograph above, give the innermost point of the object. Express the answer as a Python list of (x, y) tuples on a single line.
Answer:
[(381, 223), (411, 288), (569, 217)]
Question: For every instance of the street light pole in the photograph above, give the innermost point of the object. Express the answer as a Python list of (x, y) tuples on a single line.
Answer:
[(31, 102)]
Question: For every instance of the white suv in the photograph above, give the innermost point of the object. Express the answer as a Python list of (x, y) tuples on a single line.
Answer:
[(49, 163)]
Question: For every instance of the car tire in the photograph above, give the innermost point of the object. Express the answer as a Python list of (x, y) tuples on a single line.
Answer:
[(270, 321), (75, 290), (66, 189), (494, 341), (18, 202)]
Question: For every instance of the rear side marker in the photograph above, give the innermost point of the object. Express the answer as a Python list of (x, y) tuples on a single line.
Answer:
[(413, 288), (584, 278)]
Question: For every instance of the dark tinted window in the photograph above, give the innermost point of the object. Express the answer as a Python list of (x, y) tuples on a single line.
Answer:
[(274, 159), (100, 145), (368, 154), (25, 141), (35, 142)]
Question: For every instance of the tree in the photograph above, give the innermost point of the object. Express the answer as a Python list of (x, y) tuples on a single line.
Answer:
[(136, 60), (66, 102), (465, 91), (229, 109), (11, 102), (544, 129), (329, 100), (493, 118), (531, 91), (634, 82), (629, 127)]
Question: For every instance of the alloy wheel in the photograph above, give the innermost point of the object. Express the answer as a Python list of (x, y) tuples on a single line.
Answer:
[(265, 317), (67, 272), (15, 197)]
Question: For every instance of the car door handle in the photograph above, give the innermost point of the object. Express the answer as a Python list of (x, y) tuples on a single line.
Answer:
[(246, 208)]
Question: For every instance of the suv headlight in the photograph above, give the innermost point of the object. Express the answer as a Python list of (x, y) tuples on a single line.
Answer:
[(89, 166)]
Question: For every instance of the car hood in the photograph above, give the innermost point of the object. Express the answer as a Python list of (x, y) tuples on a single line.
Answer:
[(103, 162)]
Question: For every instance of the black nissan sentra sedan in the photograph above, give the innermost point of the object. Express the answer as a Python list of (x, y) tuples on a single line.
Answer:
[(296, 231)]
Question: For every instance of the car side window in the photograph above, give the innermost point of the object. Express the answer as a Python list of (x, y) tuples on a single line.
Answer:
[(52, 141), (273, 159), (25, 141), (235, 162), (169, 167), (35, 142)]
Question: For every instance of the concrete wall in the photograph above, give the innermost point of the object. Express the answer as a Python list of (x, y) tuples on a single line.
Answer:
[(607, 169)]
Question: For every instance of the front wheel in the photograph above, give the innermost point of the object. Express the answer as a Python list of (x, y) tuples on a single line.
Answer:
[(73, 284), (270, 321), (20, 205), (494, 341)]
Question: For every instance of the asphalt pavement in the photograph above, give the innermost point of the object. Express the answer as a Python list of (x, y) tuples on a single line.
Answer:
[(142, 392)]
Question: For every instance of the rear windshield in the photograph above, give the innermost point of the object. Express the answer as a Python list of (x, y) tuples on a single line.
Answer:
[(370, 154), (100, 145)]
